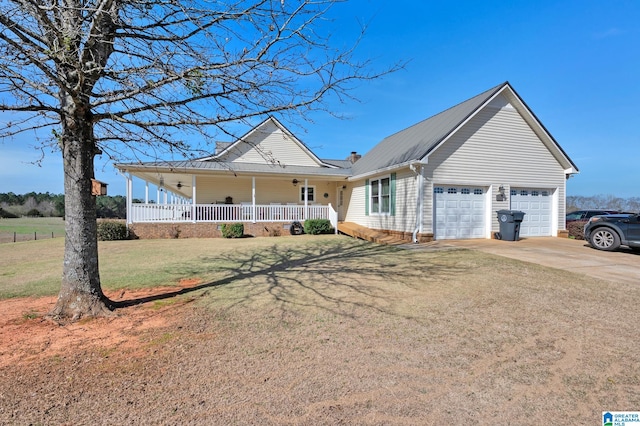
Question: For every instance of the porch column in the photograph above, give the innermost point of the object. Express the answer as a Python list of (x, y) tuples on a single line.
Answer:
[(129, 201), (146, 192), (253, 199), (193, 199), (306, 198)]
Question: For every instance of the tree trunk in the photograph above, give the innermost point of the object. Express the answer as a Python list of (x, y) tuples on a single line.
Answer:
[(80, 294)]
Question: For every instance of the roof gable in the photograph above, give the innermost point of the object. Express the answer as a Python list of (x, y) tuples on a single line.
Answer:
[(268, 143), (418, 141)]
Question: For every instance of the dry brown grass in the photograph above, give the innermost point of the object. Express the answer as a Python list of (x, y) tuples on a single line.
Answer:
[(335, 331)]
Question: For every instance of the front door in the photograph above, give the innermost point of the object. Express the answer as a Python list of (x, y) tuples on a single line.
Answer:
[(341, 195)]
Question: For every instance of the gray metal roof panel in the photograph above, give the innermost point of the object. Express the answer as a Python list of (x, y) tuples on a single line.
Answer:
[(345, 164), (186, 166), (413, 143)]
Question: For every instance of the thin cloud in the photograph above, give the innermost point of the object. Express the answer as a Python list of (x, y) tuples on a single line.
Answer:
[(611, 32)]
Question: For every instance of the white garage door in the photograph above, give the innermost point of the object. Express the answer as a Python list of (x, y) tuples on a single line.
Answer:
[(460, 212), (536, 203)]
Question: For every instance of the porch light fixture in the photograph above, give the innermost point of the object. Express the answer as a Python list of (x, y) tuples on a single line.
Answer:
[(501, 193), (294, 182)]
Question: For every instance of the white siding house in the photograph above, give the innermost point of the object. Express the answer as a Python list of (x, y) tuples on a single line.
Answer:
[(444, 177), (486, 154)]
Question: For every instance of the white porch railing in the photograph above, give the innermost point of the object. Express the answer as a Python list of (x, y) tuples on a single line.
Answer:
[(230, 213)]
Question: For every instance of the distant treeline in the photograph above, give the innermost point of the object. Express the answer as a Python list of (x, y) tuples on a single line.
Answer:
[(46, 204), (608, 202)]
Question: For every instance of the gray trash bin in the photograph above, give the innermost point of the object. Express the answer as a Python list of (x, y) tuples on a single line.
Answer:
[(510, 221)]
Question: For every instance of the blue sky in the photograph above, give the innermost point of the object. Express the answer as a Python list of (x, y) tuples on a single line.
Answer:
[(575, 63)]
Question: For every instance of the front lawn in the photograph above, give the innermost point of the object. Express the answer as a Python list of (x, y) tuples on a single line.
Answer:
[(318, 330)]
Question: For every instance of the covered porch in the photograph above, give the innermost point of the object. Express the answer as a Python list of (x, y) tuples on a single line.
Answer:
[(182, 198)]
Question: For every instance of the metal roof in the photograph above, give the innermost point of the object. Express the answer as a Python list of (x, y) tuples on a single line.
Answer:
[(413, 143), (234, 168), (410, 145)]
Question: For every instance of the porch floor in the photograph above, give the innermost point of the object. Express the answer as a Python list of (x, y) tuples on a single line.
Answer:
[(368, 234)]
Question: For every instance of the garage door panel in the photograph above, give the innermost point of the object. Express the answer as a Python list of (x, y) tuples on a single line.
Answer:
[(459, 212), (536, 204)]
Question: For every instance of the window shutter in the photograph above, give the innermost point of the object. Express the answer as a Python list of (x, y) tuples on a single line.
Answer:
[(392, 195), (366, 197)]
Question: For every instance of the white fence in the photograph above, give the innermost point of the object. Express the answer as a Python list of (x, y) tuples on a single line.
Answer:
[(230, 213)]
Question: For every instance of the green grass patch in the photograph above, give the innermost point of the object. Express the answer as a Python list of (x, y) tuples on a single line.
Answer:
[(34, 268), (29, 225)]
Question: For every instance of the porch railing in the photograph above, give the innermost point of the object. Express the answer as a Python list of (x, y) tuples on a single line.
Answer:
[(229, 213)]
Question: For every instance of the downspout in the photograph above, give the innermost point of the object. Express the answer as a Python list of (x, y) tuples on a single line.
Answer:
[(419, 198)]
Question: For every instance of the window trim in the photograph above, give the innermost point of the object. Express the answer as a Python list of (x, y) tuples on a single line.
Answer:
[(312, 193), (379, 180)]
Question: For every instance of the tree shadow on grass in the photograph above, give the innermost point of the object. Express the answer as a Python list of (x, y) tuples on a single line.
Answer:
[(334, 275)]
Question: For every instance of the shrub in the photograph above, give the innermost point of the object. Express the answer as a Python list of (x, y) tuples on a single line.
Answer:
[(7, 215), (110, 230), (232, 230), (576, 230), (317, 226), (34, 213)]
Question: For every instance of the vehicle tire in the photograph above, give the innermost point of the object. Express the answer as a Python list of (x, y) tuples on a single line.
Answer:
[(604, 239)]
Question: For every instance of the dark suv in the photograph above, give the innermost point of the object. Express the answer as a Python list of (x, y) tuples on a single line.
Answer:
[(610, 231), (587, 214)]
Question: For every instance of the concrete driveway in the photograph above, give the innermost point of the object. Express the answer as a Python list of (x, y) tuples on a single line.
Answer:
[(563, 253)]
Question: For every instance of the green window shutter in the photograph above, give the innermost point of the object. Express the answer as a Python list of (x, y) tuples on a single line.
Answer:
[(392, 195), (366, 197)]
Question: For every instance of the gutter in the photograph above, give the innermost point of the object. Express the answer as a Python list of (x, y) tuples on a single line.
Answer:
[(383, 170)]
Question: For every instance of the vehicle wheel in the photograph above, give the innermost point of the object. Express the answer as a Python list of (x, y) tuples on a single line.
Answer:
[(604, 239)]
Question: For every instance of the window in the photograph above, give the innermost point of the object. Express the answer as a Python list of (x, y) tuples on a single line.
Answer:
[(465, 191), (439, 190), (452, 190), (312, 191), (477, 191), (381, 196)]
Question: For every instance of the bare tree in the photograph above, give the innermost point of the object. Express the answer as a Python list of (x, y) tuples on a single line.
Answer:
[(138, 77)]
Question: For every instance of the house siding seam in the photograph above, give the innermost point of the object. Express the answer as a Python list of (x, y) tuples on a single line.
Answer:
[(271, 144), (405, 207)]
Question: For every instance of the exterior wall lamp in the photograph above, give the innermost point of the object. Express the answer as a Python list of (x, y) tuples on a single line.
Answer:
[(294, 182), (501, 193)]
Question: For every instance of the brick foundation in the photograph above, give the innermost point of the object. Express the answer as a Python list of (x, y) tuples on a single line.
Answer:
[(204, 230)]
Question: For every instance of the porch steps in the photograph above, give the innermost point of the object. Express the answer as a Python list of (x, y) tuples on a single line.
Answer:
[(357, 231)]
